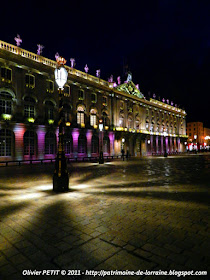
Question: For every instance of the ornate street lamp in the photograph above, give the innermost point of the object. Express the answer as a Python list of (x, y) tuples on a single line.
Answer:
[(61, 176), (101, 156)]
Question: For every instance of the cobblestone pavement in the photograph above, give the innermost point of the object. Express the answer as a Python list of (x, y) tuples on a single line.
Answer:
[(142, 214)]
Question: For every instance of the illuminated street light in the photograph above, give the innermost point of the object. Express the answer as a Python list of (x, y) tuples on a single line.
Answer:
[(101, 156), (61, 176)]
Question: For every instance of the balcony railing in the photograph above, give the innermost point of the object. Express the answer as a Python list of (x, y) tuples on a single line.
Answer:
[(51, 63)]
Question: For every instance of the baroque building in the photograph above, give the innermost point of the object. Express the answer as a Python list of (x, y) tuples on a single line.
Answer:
[(29, 113)]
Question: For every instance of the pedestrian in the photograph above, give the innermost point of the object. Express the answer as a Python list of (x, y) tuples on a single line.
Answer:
[(127, 154), (123, 154)]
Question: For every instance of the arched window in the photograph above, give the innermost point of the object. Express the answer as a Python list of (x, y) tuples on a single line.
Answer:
[(82, 144), (49, 110), (80, 115), (66, 112), (5, 103), (106, 145), (130, 121), (50, 143), (94, 144), (5, 142), (68, 143), (93, 120), (121, 121), (29, 107), (137, 124), (105, 119), (29, 142)]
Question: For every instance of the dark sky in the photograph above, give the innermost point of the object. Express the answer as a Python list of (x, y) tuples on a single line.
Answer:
[(165, 43)]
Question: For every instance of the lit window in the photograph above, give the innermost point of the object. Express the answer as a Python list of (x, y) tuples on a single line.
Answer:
[(93, 117), (6, 74), (80, 115), (5, 142), (29, 81)]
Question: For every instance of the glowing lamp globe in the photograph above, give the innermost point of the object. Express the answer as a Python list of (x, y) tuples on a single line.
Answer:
[(61, 76)]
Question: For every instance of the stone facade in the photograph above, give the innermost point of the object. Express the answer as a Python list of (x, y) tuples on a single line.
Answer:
[(29, 113)]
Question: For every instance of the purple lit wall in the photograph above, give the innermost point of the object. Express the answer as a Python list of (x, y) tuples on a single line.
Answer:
[(111, 139), (89, 138), (75, 136), (41, 141), (19, 131)]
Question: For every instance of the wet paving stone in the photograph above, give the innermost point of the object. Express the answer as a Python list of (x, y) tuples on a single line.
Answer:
[(148, 213)]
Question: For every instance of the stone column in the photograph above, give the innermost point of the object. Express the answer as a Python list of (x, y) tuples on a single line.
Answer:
[(89, 139), (111, 139), (166, 139), (162, 151), (19, 131), (178, 144), (41, 131), (157, 149), (75, 136), (151, 143), (171, 144)]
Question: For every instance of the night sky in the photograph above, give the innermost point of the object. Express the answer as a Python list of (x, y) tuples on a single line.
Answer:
[(164, 43)]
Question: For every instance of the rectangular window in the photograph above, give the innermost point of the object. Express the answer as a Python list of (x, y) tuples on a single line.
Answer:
[(104, 101), (29, 81), (93, 97), (81, 95), (92, 120), (50, 86), (6, 74), (5, 106), (80, 118), (29, 111), (121, 105), (67, 91), (49, 114)]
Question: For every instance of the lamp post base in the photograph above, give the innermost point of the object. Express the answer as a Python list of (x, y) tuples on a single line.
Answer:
[(101, 158), (61, 176), (165, 154)]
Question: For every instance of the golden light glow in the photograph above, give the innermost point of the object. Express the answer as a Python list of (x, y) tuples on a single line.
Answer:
[(31, 120), (6, 117)]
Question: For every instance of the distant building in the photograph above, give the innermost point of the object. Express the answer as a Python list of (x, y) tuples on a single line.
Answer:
[(29, 113), (198, 136)]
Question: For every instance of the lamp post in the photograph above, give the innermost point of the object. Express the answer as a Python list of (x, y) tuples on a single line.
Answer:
[(61, 176), (101, 156), (165, 150)]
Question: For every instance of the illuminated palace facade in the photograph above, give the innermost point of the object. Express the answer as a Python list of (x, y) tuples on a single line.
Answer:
[(29, 113)]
